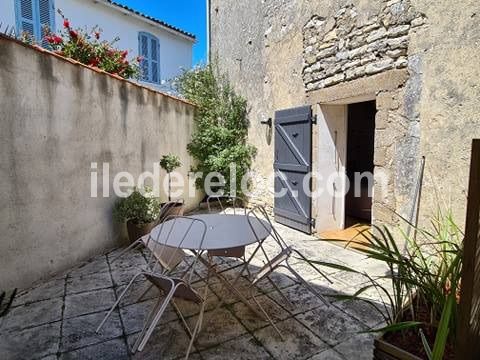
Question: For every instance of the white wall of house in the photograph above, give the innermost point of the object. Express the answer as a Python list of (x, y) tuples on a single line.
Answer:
[(175, 49), (7, 13)]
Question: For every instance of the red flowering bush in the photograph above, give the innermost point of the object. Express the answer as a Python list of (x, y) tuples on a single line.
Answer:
[(87, 48)]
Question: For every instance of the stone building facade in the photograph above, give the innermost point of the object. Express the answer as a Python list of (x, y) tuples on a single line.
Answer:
[(417, 59)]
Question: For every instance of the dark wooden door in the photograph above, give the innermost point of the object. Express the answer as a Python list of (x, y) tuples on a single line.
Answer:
[(293, 162)]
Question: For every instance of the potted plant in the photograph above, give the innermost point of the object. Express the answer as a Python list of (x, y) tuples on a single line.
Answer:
[(139, 211), (419, 293), (169, 163)]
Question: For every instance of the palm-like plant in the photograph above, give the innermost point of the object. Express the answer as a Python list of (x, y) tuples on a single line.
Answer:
[(427, 271)]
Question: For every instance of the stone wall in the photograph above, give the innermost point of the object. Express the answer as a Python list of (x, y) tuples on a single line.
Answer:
[(432, 112), (56, 118), (342, 48)]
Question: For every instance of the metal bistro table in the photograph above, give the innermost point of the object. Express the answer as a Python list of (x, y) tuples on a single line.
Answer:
[(227, 235)]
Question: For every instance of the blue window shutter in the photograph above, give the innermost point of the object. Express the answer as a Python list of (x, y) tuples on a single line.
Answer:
[(33, 16), (46, 18), (143, 51), (149, 49), (25, 12), (154, 47)]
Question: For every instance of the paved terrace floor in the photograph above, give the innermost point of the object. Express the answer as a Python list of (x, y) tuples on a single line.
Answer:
[(56, 319)]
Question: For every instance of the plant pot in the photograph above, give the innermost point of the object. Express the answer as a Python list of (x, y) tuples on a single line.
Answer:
[(175, 209), (136, 231), (386, 351)]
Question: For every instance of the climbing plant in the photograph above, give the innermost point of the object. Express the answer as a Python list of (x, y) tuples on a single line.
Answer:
[(222, 125)]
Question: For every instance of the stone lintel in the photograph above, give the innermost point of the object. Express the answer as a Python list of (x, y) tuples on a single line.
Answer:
[(358, 88)]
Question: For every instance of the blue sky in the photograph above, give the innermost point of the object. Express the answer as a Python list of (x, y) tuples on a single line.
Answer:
[(188, 15)]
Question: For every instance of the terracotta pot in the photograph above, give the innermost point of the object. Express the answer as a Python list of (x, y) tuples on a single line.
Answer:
[(136, 231), (386, 351)]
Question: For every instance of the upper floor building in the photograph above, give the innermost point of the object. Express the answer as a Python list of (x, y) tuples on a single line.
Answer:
[(166, 50)]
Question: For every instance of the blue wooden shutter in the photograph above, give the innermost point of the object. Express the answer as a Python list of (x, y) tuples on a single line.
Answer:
[(154, 59), (143, 51), (149, 49), (46, 18), (26, 15), (33, 16)]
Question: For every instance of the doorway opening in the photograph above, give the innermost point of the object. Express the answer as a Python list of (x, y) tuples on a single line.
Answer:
[(359, 169), (346, 146)]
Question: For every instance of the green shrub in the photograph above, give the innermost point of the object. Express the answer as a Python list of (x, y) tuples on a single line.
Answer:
[(138, 207), (169, 163), (222, 125)]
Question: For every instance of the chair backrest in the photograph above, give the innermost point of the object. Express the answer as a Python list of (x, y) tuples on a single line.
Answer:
[(169, 209), (217, 199), (172, 234), (257, 214)]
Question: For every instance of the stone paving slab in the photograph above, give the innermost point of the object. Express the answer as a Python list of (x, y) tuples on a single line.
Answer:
[(109, 350), (80, 331), (330, 324), (88, 282), (31, 315), (167, 342), (245, 347), (88, 302), (133, 316), (57, 319), (33, 343), (48, 290), (299, 342)]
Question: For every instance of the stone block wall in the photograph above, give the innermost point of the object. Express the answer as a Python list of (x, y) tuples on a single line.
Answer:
[(342, 48), (272, 53)]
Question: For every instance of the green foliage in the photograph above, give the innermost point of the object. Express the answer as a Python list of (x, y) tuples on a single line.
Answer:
[(427, 271), (221, 126), (141, 208), (87, 48), (170, 162)]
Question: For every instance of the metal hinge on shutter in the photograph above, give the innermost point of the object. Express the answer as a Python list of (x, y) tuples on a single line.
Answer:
[(314, 119), (313, 222)]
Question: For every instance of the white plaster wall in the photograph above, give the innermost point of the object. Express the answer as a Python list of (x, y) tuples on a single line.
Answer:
[(7, 13), (175, 51)]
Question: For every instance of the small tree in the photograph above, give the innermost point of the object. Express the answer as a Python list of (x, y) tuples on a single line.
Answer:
[(169, 163), (222, 125)]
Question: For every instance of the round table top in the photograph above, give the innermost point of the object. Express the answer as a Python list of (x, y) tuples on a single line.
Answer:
[(223, 232)]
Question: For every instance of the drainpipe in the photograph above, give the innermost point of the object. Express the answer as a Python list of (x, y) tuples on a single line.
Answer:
[(208, 8)]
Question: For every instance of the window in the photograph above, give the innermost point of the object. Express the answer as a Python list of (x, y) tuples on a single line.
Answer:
[(33, 16), (149, 49)]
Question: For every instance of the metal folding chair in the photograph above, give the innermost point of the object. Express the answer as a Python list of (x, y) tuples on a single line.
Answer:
[(174, 256), (233, 200), (171, 235), (281, 260), (236, 253)]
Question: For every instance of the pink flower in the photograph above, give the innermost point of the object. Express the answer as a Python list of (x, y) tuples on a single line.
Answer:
[(73, 34), (97, 35), (124, 54), (57, 39), (66, 24)]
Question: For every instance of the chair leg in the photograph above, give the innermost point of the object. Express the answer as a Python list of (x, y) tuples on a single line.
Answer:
[(148, 321), (155, 321), (307, 285), (280, 292), (145, 293), (196, 330), (117, 302), (267, 317), (130, 247)]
